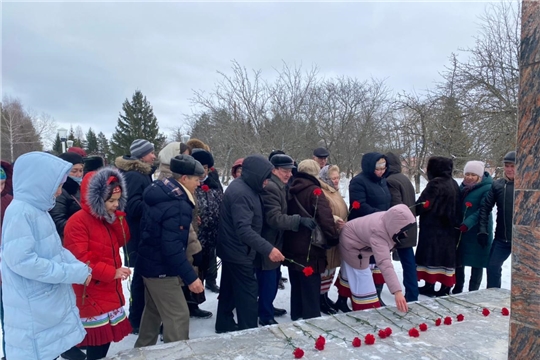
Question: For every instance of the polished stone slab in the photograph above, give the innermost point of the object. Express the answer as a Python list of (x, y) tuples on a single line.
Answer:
[(476, 337)]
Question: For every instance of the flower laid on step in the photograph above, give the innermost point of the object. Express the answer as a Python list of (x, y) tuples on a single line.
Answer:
[(460, 317), (505, 311), (320, 342), (485, 312), (382, 334), (369, 339), (448, 320), (414, 332), (205, 188), (438, 322), (298, 353), (356, 342), (423, 327), (388, 331)]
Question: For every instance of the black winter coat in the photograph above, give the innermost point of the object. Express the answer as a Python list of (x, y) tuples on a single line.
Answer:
[(502, 194), (440, 221), (208, 204), (402, 192), (296, 244), (369, 190), (138, 176), (241, 213), (67, 204), (165, 230), (276, 220)]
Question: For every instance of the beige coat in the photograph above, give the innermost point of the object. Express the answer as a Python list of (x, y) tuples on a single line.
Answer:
[(339, 210)]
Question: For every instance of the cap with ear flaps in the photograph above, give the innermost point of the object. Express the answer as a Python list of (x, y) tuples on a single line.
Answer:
[(186, 165)]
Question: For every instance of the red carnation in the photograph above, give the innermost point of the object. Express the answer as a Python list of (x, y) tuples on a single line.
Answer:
[(370, 339), (438, 322), (460, 317), (356, 342), (485, 312), (426, 204), (205, 188), (448, 320), (317, 192), (388, 331), (212, 169), (423, 327), (319, 344), (355, 205), (321, 339), (308, 271), (468, 204), (505, 312), (382, 334), (414, 333), (298, 353)]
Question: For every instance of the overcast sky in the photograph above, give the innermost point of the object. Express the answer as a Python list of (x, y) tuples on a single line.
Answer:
[(79, 62)]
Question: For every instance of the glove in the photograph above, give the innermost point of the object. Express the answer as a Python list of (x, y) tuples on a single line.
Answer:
[(308, 222), (463, 228), (197, 259), (482, 239)]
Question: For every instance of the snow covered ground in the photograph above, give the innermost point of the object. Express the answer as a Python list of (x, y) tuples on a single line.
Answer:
[(205, 327)]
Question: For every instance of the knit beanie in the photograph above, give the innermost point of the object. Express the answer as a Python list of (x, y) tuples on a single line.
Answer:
[(474, 167), (72, 157), (310, 167), (140, 148)]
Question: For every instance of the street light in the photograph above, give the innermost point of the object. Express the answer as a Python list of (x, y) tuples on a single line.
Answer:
[(69, 143), (62, 133), (184, 138)]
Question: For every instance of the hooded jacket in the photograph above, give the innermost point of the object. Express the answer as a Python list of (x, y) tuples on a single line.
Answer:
[(402, 192), (90, 237), (67, 204), (166, 225), (138, 176), (372, 235), (242, 215), (296, 244), (41, 318), (368, 189), (439, 221)]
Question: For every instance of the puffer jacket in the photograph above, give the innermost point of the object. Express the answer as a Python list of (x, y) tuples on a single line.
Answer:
[(41, 319), (67, 204), (91, 238), (372, 235), (501, 194), (369, 190)]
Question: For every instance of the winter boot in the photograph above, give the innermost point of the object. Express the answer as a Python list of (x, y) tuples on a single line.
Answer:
[(443, 291), (379, 290), (458, 289), (195, 312), (341, 304), (74, 354), (325, 306), (427, 290)]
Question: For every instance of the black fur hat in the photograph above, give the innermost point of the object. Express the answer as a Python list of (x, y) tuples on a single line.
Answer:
[(203, 156), (92, 163)]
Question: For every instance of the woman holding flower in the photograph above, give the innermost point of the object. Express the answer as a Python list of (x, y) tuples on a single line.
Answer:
[(94, 235), (475, 186), (306, 196)]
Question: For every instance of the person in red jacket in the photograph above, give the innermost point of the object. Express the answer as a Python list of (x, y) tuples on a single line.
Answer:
[(94, 235)]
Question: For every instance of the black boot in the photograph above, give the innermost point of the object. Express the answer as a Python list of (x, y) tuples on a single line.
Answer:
[(427, 290), (457, 289), (379, 290), (74, 354), (341, 304), (443, 291), (212, 286), (195, 312), (325, 306)]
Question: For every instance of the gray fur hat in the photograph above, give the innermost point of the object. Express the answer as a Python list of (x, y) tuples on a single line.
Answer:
[(97, 187)]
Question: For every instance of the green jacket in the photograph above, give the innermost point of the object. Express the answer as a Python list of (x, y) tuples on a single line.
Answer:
[(470, 253)]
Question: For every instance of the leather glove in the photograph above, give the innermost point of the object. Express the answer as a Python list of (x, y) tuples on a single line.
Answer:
[(308, 222), (197, 259), (463, 228), (482, 239)]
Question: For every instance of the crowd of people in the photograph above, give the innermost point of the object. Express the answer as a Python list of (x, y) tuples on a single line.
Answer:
[(66, 219)]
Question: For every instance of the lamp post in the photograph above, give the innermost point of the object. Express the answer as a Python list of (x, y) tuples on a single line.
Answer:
[(62, 133), (184, 138), (69, 144)]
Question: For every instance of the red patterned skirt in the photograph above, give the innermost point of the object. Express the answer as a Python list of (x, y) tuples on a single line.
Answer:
[(106, 328)]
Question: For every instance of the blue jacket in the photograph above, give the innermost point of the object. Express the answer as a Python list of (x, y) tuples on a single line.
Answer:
[(167, 216), (41, 318)]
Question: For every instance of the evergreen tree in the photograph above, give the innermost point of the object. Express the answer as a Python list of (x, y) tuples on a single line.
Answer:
[(137, 122), (71, 134), (92, 145), (103, 147), (57, 145)]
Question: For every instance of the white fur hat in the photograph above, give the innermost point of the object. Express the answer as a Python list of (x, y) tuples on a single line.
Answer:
[(475, 167)]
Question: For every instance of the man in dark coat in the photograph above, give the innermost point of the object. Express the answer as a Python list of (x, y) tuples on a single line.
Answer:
[(402, 192), (239, 240), (137, 170), (502, 194), (162, 261), (276, 221), (370, 190)]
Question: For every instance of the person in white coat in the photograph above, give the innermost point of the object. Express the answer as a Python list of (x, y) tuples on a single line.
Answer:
[(41, 318)]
